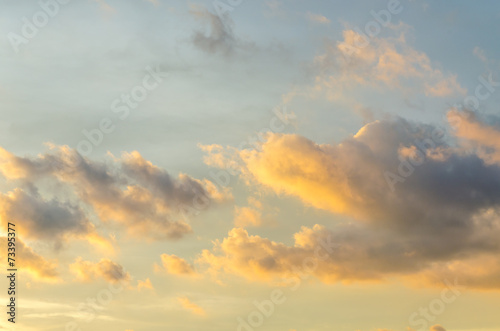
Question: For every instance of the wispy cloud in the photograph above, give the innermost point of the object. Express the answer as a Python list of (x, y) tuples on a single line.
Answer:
[(190, 306), (317, 18)]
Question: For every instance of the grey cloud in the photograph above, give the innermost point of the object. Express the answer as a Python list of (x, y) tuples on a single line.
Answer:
[(444, 211), (147, 200), (42, 218), (219, 37)]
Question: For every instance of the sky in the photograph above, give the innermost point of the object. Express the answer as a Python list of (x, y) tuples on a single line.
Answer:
[(273, 165)]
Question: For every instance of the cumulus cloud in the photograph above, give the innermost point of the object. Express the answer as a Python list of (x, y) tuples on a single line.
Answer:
[(145, 199), (31, 262), (106, 269), (346, 254), (40, 218), (175, 265), (442, 209), (251, 257)]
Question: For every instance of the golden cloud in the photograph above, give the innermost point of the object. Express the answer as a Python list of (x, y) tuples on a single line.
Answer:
[(192, 307), (106, 269), (31, 262), (175, 265)]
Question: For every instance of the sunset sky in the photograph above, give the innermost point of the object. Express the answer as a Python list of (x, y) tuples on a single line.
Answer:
[(271, 165)]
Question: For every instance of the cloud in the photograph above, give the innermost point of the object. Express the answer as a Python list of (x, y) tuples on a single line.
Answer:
[(316, 18), (248, 216), (220, 38), (175, 265), (251, 257), (31, 262), (146, 284), (379, 62), (106, 269), (347, 254), (188, 305), (477, 136), (442, 210), (145, 199), (39, 218)]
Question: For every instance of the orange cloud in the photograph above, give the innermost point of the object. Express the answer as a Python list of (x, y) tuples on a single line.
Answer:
[(317, 252), (477, 136), (442, 212), (145, 199), (144, 284), (106, 269), (358, 60), (31, 262), (39, 218), (248, 216), (175, 265), (188, 305)]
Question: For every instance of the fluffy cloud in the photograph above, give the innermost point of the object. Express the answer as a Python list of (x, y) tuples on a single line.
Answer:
[(175, 265), (50, 220), (145, 199), (43, 219), (106, 269), (31, 262), (441, 212), (358, 60), (252, 257), (345, 254)]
